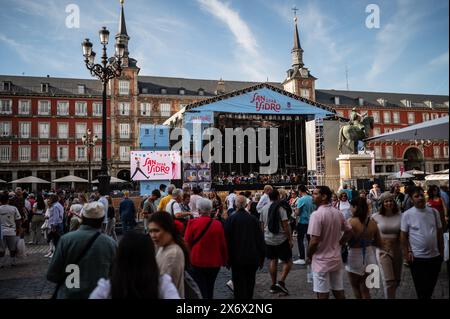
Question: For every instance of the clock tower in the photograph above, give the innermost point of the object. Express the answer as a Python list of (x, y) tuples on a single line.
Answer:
[(299, 80)]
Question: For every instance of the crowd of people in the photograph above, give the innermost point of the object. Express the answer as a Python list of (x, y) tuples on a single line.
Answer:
[(292, 178), (189, 235)]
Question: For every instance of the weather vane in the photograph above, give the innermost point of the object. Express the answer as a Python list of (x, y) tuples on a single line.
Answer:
[(294, 8)]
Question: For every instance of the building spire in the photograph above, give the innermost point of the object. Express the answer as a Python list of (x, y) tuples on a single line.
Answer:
[(122, 25), (122, 36), (297, 51)]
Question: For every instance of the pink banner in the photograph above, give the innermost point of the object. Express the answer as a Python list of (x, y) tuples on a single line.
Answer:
[(161, 165)]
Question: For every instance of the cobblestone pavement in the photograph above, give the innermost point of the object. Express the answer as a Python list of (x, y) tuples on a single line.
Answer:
[(27, 280)]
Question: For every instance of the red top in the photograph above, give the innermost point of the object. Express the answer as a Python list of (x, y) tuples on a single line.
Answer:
[(436, 204), (211, 250)]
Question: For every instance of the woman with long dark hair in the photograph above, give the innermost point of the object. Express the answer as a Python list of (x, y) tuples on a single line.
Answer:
[(37, 219), (172, 253), (135, 273), (361, 247), (389, 253)]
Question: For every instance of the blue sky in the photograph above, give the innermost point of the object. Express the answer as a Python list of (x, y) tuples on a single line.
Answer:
[(240, 40)]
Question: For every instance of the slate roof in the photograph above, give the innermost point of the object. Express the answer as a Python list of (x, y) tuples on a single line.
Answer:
[(191, 86), (28, 85), (350, 98)]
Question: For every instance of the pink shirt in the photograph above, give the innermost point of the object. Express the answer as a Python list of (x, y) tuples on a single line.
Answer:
[(328, 223)]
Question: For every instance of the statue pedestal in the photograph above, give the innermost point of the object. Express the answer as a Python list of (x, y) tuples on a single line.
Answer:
[(355, 166)]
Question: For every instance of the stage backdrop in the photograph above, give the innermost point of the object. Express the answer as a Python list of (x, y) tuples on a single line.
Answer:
[(264, 101), (161, 165)]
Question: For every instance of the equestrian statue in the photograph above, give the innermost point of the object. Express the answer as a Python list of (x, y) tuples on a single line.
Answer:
[(356, 130)]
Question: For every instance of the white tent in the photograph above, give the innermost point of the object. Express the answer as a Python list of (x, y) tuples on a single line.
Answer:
[(436, 129), (2, 181), (415, 172), (400, 175), (437, 177), (445, 171), (114, 180), (70, 179), (30, 180)]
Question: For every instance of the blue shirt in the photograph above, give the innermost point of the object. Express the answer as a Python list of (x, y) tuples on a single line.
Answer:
[(306, 207), (127, 210), (104, 201), (349, 194), (56, 214), (445, 198)]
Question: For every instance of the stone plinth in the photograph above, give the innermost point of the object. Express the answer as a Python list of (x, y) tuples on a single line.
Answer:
[(355, 166)]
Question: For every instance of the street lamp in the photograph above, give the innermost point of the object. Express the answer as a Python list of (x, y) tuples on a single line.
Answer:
[(89, 142), (107, 70)]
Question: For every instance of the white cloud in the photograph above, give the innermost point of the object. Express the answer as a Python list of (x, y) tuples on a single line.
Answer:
[(30, 54), (441, 60), (394, 38), (241, 31), (251, 62)]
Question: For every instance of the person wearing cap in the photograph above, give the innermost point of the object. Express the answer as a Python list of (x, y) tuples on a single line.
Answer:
[(389, 253), (96, 262)]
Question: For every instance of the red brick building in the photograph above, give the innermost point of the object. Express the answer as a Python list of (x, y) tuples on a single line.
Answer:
[(42, 121)]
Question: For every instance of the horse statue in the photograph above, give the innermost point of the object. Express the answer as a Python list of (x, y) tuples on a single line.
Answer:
[(351, 134)]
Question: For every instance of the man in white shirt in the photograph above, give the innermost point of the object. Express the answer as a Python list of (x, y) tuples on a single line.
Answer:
[(173, 207), (423, 243), (195, 197), (10, 222), (264, 198)]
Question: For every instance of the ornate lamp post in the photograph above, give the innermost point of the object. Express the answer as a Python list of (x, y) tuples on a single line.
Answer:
[(105, 71), (89, 142)]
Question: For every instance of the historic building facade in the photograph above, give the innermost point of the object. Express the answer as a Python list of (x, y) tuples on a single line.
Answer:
[(42, 122), (43, 119)]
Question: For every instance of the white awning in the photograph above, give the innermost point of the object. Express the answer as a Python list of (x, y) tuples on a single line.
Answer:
[(400, 175), (70, 179), (30, 180), (436, 129), (437, 177), (114, 180)]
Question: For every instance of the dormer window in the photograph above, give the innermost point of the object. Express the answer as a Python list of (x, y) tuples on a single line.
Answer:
[(360, 101), (163, 91), (429, 104), (406, 103), (7, 86), (81, 89), (382, 102), (201, 92), (181, 91), (446, 104), (144, 90), (44, 87), (337, 100)]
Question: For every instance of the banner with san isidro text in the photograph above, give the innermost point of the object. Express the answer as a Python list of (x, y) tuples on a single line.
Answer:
[(159, 165)]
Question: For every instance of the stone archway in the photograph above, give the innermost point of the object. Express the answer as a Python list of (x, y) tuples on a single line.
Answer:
[(413, 159)]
